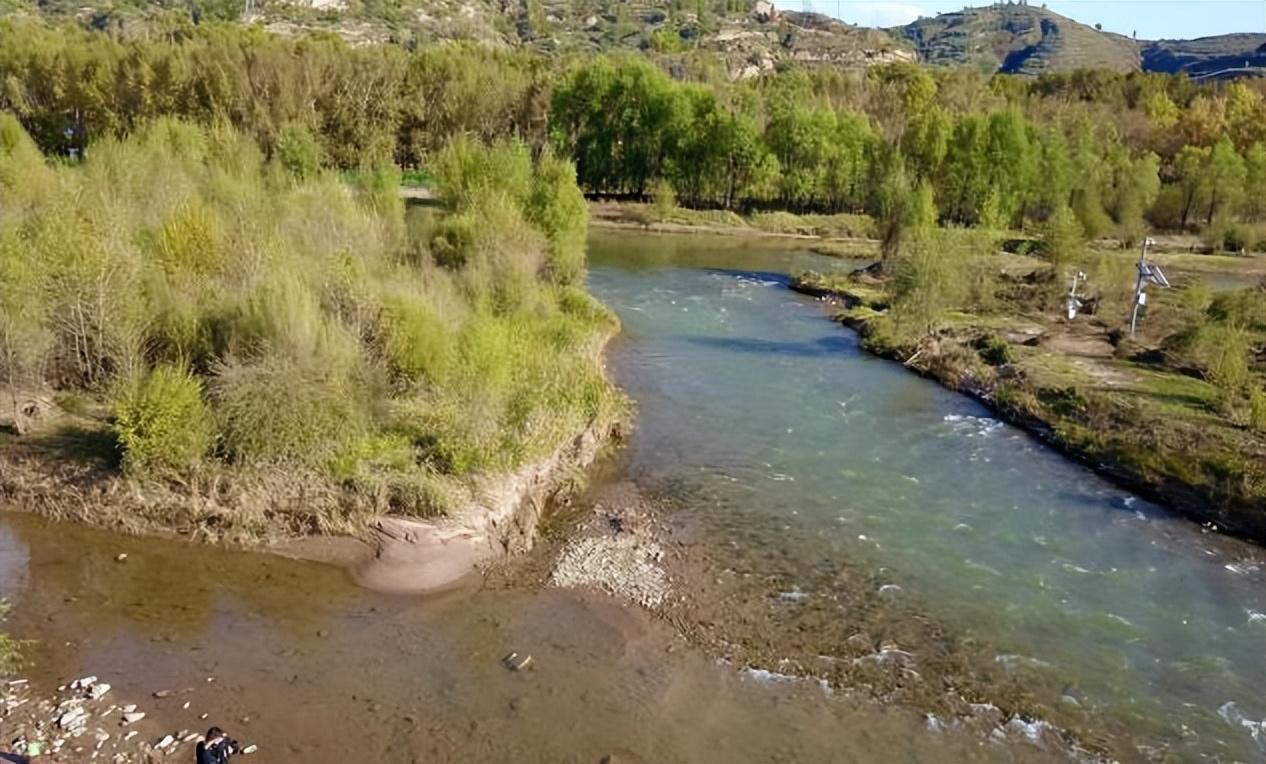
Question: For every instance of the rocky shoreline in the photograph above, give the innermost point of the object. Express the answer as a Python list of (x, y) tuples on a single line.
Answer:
[(82, 721), (617, 551), (1220, 489), (861, 643)]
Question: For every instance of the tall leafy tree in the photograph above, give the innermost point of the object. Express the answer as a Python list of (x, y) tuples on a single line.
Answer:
[(1254, 207), (1224, 178)]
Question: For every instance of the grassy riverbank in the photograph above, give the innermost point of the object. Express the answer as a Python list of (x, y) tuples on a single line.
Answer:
[(1159, 414), (195, 338), (841, 235)]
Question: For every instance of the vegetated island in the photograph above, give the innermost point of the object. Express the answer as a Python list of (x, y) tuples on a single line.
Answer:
[(198, 339)]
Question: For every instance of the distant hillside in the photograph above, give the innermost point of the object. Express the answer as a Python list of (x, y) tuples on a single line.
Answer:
[(1018, 39), (750, 36), (1221, 56), (1027, 39)]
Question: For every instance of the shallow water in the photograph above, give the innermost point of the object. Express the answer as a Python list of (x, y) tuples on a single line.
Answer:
[(776, 444), (312, 668), (753, 405)]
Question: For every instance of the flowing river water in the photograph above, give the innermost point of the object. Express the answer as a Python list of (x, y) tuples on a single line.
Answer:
[(835, 518)]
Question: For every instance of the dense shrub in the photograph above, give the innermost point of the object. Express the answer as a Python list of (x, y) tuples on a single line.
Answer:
[(779, 222), (161, 421), (298, 152), (466, 171), (1257, 408), (663, 200), (276, 411), (994, 350), (512, 391), (1241, 307), (417, 343)]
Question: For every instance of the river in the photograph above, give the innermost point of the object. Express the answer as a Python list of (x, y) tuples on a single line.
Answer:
[(820, 499)]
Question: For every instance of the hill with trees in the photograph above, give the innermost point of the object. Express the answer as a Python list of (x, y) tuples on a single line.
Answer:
[(748, 37), (1019, 38)]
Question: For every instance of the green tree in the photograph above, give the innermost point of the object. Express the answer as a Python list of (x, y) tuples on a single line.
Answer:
[(894, 209), (1010, 161), (1224, 176), (803, 140), (925, 142), (926, 280), (847, 162), (1089, 170), (1161, 110), (618, 118), (1192, 181), (1062, 237), (1245, 115), (1135, 184), (1055, 175), (1254, 207), (964, 181)]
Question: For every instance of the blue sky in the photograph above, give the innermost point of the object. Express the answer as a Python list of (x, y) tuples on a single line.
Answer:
[(1152, 19)]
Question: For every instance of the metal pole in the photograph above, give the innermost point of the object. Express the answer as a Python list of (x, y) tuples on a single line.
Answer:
[(1138, 288)]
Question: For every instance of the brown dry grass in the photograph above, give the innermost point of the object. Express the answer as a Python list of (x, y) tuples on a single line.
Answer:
[(68, 470)]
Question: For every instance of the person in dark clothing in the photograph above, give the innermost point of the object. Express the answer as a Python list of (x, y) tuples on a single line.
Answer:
[(216, 749)]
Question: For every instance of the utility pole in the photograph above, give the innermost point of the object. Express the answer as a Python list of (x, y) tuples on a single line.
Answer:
[(1147, 274)]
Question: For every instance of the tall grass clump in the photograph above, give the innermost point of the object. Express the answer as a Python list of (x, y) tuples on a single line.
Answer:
[(238, 312), (161, 421), (1221, 342), (416, 342), (274, 411)]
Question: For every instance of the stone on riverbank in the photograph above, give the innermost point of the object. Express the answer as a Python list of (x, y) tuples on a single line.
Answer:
[(616, 552)]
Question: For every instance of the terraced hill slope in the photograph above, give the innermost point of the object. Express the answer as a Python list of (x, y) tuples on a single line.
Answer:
[(1027, 39), (1018, 39)]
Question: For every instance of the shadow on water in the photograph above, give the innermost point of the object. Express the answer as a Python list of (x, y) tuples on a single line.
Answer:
[(828, 345)]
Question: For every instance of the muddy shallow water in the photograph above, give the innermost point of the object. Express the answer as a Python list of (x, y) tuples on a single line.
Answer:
[(827, 508), (311, 668)]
